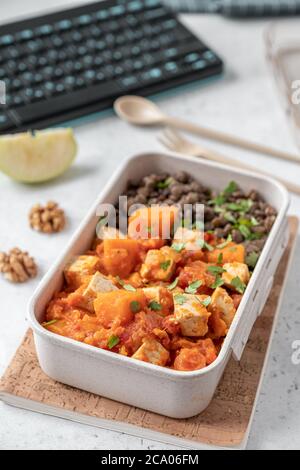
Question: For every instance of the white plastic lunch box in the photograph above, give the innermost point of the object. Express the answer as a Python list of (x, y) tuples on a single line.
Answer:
[(168, 392)]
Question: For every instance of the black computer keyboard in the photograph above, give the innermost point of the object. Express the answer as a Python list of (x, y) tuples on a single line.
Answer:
[(72, 63)]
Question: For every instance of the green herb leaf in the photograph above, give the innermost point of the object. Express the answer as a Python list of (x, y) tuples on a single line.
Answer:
[(242, 206), (251, 259), (238, 284), (127, 287), (178, 247), (165, 264), (135, 306), (113, 341), (193, 287), (164, 184), (173, 284), (180, 299), (206, 301), (48, 323), (229, 217), (245, 231), (224, 244), (215, 270), (203, 245), (220, 258), (156, 306), (218, 201), (254, 222), (231, 188), (218, 282)]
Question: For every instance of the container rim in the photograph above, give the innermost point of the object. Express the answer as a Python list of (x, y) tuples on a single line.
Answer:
[(129, 361)]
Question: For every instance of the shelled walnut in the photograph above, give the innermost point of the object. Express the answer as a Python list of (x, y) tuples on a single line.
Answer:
[(17, 265), (47, 219)]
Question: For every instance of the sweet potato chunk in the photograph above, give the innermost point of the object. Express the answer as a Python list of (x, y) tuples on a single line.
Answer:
[(196, 271), (190, 359), (153, 222), (118, 307), (230, 253), (120, 256)]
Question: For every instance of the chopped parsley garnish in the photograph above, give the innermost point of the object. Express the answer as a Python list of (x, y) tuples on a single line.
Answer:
[(193, 287), (127, 287), (251, 259), (206, 301), (224, 244), (218, 201), (135, 306), (173, 284), (164, 184), (231, 188), (48, 323), (217, 283), (215, 270), (156, 306), (180, 299), (165, 264), (113, 341), (245, 231), (203, 245), (242, 206), (178, 247), (229, 217), (220, 258), (238, 284)]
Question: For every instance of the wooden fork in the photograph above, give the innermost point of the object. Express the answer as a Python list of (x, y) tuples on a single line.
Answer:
[(177, 143)]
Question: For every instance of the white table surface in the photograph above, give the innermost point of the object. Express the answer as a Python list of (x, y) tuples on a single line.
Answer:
[(244, 102)]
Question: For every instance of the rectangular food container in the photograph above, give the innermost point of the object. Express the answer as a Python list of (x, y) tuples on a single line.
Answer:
[(168, 392)]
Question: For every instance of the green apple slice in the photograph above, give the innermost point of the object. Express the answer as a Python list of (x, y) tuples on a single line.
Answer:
[(38, 157)]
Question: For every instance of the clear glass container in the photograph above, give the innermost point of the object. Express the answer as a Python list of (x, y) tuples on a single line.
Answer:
[(282, 40)]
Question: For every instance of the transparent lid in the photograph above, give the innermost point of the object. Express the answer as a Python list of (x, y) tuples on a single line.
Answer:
[(283, 52)]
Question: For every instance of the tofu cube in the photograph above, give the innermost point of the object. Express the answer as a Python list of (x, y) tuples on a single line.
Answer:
[(191, 314), (235, 270), (222, 302), (152, 351), (190, 238), (98, 283), (76, 272), (159, 265)]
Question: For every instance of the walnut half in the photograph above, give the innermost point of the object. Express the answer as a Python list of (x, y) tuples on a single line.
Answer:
[(17, 265), (47, 219)]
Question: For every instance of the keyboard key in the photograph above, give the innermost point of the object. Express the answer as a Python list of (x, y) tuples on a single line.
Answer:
[(199, 65), (44, 30), (63, 25), (128, 83), (5, 122), (192, 57), (6, 40), (25, 35)]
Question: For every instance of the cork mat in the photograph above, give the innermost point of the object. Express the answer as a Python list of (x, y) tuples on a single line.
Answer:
[(224, 423)]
